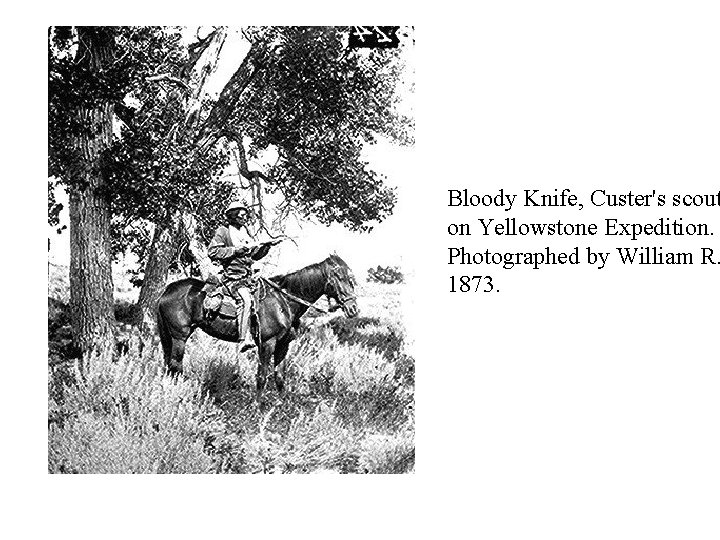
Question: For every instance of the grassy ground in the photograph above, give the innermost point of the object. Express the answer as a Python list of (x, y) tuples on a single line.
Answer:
[(349, 405)]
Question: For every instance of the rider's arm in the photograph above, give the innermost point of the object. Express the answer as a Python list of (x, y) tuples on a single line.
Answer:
[(219, 249)]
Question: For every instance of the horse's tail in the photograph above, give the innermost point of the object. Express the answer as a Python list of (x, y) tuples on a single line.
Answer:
[(164, 331)]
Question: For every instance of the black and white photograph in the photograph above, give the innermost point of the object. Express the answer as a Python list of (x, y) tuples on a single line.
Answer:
[(226, 284), (453, 279)]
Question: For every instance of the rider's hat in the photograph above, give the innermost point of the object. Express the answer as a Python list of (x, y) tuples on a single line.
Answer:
[(236, 205)]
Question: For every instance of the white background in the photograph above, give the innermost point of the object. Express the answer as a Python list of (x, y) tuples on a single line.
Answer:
[(575, 403)]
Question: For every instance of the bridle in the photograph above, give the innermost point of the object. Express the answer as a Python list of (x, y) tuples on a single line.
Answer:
[(293, 297), (341, 301), (327, 292)]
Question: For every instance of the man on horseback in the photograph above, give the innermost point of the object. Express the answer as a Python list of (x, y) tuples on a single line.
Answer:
[(233, 247)]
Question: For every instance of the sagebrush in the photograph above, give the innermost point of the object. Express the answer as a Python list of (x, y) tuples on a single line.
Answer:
[(349, 405)]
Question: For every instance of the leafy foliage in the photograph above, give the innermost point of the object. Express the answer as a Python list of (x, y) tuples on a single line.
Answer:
[(300, 91), (318, 103), (151, 168), (78, 81), (54, 208)]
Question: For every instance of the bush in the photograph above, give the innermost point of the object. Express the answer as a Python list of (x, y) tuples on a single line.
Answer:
[(322, 364), (385, 274), (348, 407), (387, 454), (60, 339), (127, 416), (316, 441)]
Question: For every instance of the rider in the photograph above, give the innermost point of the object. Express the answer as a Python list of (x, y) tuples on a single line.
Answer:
[(233, 247)]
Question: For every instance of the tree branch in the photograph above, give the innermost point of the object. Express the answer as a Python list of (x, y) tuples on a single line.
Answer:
[(170, 78), (197, 49), (212, 130), (196, 247), (253, 175)]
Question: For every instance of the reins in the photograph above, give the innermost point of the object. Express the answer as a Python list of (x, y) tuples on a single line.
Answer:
[(293, 297)]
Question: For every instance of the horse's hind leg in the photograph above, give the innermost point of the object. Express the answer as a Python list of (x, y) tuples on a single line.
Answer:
[(174, 357), (173, 347), (281, 350)]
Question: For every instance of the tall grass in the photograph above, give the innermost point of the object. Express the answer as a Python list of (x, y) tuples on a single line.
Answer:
[(349, 405), (127, 416)]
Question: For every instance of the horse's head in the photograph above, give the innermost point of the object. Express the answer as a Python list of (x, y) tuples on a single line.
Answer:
[(340, 285)]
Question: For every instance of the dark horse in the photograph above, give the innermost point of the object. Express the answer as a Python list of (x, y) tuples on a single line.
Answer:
[(180, 312)]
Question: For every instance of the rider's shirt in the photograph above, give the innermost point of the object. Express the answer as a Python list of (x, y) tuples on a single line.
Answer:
[(222, 249)]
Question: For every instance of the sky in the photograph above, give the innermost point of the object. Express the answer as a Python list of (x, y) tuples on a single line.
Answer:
[(313, 242)]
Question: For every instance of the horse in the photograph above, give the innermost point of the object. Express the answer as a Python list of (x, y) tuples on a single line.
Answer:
[(281, 301)]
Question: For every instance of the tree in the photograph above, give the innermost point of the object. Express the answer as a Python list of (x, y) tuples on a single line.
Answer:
[(81, 130), (157, 175), (318, 102), (141, 172), (298, 90)]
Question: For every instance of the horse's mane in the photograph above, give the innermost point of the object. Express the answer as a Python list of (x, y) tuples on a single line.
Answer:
[(306, 278)]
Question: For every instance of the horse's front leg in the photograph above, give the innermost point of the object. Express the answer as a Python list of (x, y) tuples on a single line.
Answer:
[(281, 350), (267, 349)]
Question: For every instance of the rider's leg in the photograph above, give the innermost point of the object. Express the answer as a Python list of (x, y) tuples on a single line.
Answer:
[(243, 295)]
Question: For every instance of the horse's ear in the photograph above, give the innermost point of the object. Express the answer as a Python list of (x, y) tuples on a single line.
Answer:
[(336, 260)]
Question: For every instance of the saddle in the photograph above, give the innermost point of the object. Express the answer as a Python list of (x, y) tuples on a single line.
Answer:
[(218, 300), (220, 305)]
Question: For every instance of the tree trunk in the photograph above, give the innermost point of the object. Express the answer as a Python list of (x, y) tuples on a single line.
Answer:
[(160, 256), (91, 289), (202, 66), (197, 247), (212, 128), (162, 250)]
